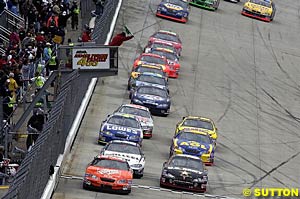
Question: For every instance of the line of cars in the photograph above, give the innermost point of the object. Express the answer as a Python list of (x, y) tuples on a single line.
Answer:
[(179, 10), (122, 132)]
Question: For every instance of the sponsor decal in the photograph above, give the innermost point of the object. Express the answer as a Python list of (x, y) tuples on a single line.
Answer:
[(121, 128), (91, 58), (108, 171)]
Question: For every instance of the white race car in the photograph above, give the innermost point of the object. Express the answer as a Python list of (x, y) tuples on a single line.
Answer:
[(142, 114), (129, 151)]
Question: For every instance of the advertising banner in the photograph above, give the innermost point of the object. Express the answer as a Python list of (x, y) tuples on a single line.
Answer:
[(90, 58)]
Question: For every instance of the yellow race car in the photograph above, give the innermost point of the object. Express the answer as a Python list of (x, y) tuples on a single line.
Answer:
[(198, 123), (259, 9), (195, 143)]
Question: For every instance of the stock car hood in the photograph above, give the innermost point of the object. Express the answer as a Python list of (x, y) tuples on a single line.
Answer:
[(171, 6), (149, 63), (130, 158), (108, 173), (192, 145), (188, 173), (177, 45), (210, 132), (151, 98), (140, 83), (121, 129), (258, 8)]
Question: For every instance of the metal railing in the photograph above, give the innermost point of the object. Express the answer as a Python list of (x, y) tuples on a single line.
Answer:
[(11, 21), (33, 174), (103, 22)]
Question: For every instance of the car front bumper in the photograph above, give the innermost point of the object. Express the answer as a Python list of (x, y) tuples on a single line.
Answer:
[(255, 15)]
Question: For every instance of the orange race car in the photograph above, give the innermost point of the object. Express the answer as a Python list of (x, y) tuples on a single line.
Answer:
[(108, 173), (149, 58)]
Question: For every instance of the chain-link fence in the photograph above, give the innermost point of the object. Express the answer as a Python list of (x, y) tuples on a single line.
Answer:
[(103, 22), (33, 174)]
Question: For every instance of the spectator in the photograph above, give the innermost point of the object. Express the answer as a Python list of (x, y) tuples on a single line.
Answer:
[(86, 35), (99, 7), (119, 39), (35, 126), (38, 80), (74, 15), (12, 85), (2, 5)]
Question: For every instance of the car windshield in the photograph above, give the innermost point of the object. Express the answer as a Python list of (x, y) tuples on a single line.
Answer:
[(112, 164), (194, 137), (152, 91), (168, 55), (151, 59), (135, 111), (186, 162), (262, 3), (161, 45), (150, 70), (198, 124), (152, 79), (177, 2), (123, 148), (124, 121), (167, 37)]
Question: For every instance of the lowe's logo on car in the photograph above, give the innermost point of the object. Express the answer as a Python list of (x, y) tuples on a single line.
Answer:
[(121, 128), (172, 6)]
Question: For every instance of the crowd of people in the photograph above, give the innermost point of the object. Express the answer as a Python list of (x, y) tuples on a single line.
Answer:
[(30, 52)]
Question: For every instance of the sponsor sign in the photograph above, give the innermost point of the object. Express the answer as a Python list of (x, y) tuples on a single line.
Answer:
[(90, 58), (121, 128)]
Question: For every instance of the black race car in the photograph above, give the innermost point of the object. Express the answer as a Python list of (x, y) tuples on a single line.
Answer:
[(184, 172)]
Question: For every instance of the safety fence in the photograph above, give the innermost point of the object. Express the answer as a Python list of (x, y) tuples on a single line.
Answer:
[(33, 174), (103, 23)]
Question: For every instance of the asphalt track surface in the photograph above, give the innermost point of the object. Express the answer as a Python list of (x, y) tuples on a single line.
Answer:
[(241, 72)]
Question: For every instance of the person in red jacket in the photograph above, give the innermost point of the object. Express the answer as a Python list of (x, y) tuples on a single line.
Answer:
[(86, 35), (119, 39)]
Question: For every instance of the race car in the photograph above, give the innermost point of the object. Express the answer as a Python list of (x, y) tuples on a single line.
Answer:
[(177, 10), (120, 126), (147, 79), (172, 59), (148, 68), (184, 172), (233, 1), (142, 114), (260, 9), (128, 151), (108, 173), (160, 44), (198, 123), (194, 142), (168, 36), (207, 4), (154, 98), (149, 58)]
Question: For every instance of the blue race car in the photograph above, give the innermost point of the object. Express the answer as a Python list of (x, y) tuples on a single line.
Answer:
[(147, 79), (177, 10), (195, 143), (120, 126), (157, 100)]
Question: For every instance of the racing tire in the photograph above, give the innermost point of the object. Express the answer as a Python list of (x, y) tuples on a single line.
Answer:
[(128, 87), (139, 176), (86, 187), (130, 95)]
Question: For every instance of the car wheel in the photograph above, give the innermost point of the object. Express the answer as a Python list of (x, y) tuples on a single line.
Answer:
[(128, 87), (84, 186)]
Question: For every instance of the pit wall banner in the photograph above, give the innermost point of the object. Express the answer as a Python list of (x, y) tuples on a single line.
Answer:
[(90, 58)]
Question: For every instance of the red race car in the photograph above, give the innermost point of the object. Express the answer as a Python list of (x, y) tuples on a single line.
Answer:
[(149, 58), (171, 58), (108, 173), (168, 36)]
